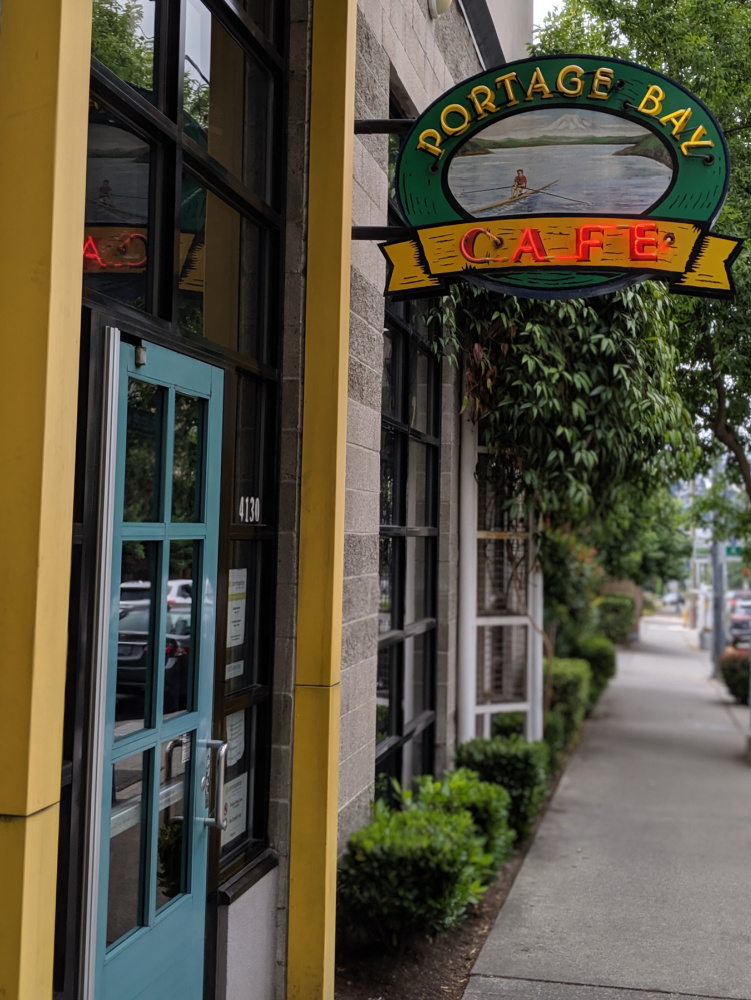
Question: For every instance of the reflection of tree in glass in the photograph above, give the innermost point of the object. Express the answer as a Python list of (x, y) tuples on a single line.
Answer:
[(196, 104), (170, 850), (186, 468), (382, 723), (181, 555), (119, 42), (142, 451)]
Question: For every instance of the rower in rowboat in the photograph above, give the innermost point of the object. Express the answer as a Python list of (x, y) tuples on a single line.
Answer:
[(520, 194), (519, 185)]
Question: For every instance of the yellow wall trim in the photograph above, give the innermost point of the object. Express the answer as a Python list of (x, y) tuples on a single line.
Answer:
[(315, 767), (28, 869), (44, 76)]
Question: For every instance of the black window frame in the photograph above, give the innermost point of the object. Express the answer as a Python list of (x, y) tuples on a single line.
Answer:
[(401, 327), (161, 123)]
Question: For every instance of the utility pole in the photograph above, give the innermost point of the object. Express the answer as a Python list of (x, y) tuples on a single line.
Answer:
[(718, 553)]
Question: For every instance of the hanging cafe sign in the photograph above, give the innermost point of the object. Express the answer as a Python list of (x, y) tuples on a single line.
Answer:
[(563, 177)]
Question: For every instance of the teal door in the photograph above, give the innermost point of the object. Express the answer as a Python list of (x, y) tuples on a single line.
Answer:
[(161, 770)]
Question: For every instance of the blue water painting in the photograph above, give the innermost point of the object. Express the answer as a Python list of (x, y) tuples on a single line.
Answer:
[(583, 163)]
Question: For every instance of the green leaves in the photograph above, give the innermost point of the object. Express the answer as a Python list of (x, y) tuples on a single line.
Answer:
[(706, 46), (578, 397), (520, 767), (415, 871)]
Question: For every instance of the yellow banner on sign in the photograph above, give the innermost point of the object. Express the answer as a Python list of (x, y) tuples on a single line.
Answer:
[(681, 252)]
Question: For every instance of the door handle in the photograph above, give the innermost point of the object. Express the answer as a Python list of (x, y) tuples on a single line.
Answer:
[(219, 819)]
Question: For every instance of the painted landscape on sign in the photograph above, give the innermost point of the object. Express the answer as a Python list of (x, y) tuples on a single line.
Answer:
[(581, 162)]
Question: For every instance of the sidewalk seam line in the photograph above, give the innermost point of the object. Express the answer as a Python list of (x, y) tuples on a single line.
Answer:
[(599, 986)]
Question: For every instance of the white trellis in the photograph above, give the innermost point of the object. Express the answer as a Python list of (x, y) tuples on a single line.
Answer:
[(500, 597)]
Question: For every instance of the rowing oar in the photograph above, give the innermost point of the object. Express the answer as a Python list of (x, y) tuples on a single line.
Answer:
[(527, 191)]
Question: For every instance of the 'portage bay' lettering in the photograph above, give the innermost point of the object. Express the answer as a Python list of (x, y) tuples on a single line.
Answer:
[(571, 82), (651, 104), (482, 101)]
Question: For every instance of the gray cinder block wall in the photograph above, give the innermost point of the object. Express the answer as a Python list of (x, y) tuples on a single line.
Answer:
[(400, 49), (293, 358)]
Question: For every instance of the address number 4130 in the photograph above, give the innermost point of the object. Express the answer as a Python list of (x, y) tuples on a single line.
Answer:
[(250, 510)]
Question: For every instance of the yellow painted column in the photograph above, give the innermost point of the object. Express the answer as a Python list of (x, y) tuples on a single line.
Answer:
[(44, 70), (315, 762)]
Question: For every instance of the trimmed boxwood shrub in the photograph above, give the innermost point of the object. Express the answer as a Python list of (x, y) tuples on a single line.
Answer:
[(735, 672), (519, 766), (410, 871), (555, 737), (508, 724), (615, 616), (599, 653), (486, 802), (571, 679)]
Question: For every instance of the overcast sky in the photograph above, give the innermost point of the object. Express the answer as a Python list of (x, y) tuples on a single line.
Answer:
[(543, 7)]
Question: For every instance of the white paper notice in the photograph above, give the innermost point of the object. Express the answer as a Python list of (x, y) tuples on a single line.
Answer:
[(236, 797), (234, 669), (235, 737), (238, 585)]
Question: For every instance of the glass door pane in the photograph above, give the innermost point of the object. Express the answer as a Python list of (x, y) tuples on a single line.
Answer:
[(160, 681)]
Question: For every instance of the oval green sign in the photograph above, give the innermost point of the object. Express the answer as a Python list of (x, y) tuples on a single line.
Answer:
[(560, 177)]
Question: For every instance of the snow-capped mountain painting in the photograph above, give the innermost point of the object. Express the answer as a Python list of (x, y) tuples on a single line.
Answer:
[(567, 125), (552, 160)]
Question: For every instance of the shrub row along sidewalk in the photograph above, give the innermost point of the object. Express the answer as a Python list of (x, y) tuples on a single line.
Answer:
[(421, 862)]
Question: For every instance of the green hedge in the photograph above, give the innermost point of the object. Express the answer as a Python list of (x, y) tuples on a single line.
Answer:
[(735, 672), (615, 616), (555, 737), (520, 767), (571, 681), (487, 803), (508, 724), (410, 871), (512, 724), (599, 653)]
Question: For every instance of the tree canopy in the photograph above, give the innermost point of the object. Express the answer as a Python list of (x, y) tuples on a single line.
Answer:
[(118, 41), (706, 46), (574, 398)]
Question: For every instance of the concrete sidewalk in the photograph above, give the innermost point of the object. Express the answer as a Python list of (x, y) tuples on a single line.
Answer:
[(638, 883)]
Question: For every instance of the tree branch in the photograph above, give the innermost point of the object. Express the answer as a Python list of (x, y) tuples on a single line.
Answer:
[(724, 433)]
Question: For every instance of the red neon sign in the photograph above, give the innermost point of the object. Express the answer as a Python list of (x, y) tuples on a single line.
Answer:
[(643, 244), (98, 251), (468, 241)]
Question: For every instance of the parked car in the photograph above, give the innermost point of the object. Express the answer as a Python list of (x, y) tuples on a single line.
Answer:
[(732, 597), (137, 594), (739, 629), (133, 656), (673, 600)]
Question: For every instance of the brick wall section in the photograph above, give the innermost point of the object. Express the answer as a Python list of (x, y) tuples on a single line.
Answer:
[(290, 458), (399, 47)]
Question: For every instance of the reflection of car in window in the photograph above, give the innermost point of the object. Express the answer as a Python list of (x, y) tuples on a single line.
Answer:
[(179, 593), (134, 642), (137, 593)]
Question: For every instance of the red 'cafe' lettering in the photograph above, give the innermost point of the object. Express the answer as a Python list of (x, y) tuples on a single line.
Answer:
[(530, 242), (92, 251), (587, 239), (640, 238), (643, 244), (468, 245)]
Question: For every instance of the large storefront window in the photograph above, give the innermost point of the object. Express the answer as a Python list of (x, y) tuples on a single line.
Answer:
[(405, 712), (182, 248)]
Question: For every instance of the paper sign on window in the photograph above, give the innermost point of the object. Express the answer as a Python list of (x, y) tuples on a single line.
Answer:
[(236, 797), (236, 596)]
